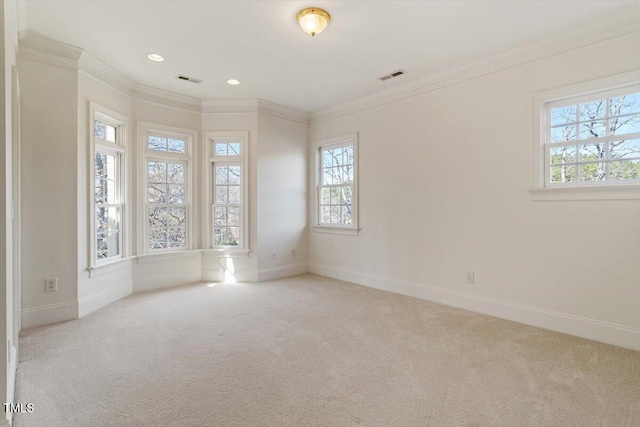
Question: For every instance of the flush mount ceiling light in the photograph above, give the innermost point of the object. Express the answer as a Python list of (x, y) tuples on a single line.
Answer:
[(313, 20), (155, 57), (233, 82)]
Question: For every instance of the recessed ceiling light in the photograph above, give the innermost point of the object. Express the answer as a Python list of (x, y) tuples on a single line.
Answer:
[(155, 57), (233, 82)]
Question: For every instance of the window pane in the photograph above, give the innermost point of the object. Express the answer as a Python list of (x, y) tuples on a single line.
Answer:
[(99, 131), (110, 132), (156, 193), (593, 172), (226, 236), (563, 173), (622, 170), (221, 148), (627, 104), (113, 243), (175, 173), (563, 154), (177, 237), (114, 219), (234, 148), (102, 246), (327, 176), (591, 152), (234, 194), (157, 143), (593, 110), (110, 194), (564, 133), (625, 149), (176, 217), (624, 125), (100, 165), (325, 214), (563, 115), (157, 171), (326, 159), (335, 215), (157, 217), (176, 145), (234, 175), (348, 155), (101, 190), (592, 129), (157, 238), (234, 216), (220, 216), (335, 196), (176, 194), (221, 174), (222, 197), (324, 197), (101, 219), (346, 215), (347, 196)]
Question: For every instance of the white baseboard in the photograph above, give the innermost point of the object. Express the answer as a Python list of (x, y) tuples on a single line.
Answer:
[(282, 271), (596, 330), (149, 283), (93, 302), (49, 314)]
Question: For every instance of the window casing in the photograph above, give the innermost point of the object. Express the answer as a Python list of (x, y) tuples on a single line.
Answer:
[(166, 171), (593, 139), (335, 185), (108, 216), (227, 205)]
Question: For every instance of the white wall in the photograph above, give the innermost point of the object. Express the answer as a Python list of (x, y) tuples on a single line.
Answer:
[(49, 96), (8, 337), (455, 199), (282, 197)]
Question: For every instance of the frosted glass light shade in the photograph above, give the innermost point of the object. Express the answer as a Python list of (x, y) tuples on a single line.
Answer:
[(313, 20)]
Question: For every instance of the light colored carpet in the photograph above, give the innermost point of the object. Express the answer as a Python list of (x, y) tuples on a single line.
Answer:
[(312, 351)]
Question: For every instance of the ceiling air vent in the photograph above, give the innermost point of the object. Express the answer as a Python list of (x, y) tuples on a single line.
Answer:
[(393, 74), (188, 79)]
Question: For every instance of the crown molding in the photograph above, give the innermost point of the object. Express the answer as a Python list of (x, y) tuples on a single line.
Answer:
[(39, 48), (105, 73), (166, 98), (277, 111), (225, 106), (615, 26)]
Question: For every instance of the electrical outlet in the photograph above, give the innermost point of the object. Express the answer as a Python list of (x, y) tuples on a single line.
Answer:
[(293, 253), (51, 285), (470, 277), (273, 254)]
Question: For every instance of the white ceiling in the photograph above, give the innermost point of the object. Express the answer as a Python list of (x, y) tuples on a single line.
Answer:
[(261, 44)]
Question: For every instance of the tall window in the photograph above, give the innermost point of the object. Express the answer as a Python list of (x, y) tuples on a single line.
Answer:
[(108, 136), (228, 214), (593, 139), (335, 183), (167, 190)]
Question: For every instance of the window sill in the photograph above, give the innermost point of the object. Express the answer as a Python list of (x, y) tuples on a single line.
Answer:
[(335, 230), (108, 267), (226, 252), (163, 256), (610, 192)]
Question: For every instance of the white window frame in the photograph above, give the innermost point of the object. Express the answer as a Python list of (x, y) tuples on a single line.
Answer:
[(144, 155), (315, 182), (543, 102), (120, 149), (209, 161)]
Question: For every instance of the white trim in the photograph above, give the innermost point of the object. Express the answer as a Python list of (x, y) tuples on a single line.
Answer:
[(164, 256), (105, 73), (314, 170), (166, 98), (208, 158), (279, 272), (584, 35), (49, 314), (11, 386), (43, 49), (613, 192), (91, 303), (610, 333), (108, 267)]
